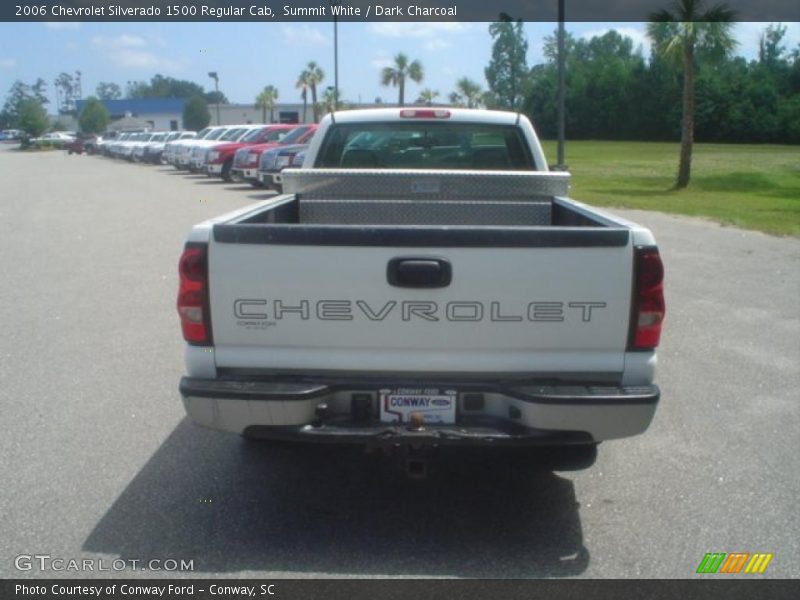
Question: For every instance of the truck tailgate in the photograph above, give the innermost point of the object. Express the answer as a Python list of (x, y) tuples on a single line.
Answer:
[(540, 308)]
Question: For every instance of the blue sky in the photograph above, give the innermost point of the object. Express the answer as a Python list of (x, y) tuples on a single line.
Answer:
[(248, 56)]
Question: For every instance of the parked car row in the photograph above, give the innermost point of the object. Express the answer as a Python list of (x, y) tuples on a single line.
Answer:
[(11, 135), (55, 139), (82, 143), (234, 152), (140, 146), (255, 163), (251, 153)]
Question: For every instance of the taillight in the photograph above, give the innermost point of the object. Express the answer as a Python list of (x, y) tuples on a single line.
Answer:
[(425, 113), (193, 306), (648, 308)]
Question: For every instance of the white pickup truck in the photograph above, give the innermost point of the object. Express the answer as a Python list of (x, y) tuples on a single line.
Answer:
[(424, 281)]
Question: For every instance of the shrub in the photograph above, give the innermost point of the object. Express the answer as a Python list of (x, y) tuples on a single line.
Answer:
[(94, 117), (32, 117), (195, 113)]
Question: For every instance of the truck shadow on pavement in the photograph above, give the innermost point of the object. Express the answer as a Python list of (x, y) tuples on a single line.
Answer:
[(233, 505), (264, 195)]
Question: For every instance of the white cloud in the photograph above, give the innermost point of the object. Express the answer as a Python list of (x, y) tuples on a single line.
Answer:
[(431, 36), (131, 51), (137, 59), (792, 38), (436, 44), (749, 34), (304, 35), (62, 24), (130, 41), (638, 36), (418, 30), (7, 63), (121, 41), (381, 61)]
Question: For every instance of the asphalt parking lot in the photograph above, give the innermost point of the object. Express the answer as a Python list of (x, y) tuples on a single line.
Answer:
[(99, 461)]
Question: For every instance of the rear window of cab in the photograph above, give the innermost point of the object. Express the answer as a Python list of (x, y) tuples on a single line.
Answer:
[(425, 145)]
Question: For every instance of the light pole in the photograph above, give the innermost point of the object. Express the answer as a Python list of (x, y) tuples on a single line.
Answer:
[(561, 86), (335, 55), (215, 77)]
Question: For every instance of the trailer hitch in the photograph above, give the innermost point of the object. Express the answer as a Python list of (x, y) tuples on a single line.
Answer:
[(415, 460)]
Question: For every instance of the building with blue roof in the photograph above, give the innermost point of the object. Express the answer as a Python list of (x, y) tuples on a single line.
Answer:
[(143, 113), (166, 114)]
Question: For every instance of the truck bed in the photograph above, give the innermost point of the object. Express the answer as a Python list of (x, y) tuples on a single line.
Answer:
[(303, 247)]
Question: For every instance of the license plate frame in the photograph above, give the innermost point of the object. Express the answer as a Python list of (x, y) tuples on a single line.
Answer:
[(437, 405)]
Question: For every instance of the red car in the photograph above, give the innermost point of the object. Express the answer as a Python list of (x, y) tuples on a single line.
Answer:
[(245, 162), (220, 157), (80, 144)]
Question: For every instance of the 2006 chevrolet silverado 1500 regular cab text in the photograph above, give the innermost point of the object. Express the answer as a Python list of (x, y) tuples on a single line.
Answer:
[(424, 281)]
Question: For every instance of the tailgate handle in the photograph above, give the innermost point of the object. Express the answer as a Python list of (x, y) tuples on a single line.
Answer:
[(419, 272)]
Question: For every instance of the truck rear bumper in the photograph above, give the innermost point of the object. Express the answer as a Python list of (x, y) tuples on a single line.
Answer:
[(512, 414), (469, 432)]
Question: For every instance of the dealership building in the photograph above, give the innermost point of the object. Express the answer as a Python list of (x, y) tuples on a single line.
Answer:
[(136, 114)]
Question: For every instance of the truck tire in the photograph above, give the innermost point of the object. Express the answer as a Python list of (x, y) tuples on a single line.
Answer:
[(573, 457), (254, 442)]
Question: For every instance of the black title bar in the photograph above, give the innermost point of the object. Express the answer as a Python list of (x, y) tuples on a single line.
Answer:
[(733, 588), (371, 10)]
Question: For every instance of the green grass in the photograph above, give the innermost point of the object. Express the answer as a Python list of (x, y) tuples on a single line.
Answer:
[(749, 186)]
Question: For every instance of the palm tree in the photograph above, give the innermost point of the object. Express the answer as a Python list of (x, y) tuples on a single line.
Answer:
[(314, 76), (396, 76), (469, 93), (456, 99), (266, 101), (678, 35), (303, 85), (330, 100), (427, 96)]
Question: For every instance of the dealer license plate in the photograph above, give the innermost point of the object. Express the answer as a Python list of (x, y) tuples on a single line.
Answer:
[(435, 406)]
